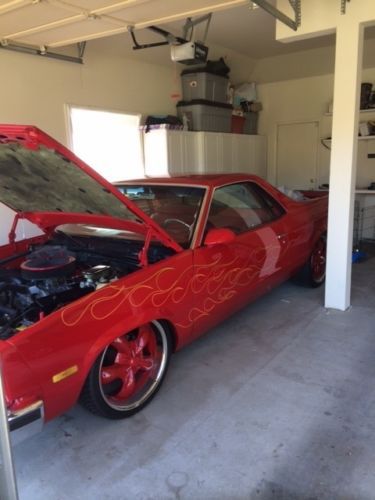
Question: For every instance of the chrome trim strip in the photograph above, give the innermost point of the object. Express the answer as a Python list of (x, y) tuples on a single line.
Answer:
[(25, 416)]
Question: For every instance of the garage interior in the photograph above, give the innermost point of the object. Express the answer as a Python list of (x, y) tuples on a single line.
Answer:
[(276, 402)]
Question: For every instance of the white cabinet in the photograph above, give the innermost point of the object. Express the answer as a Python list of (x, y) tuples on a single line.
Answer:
[(176, 152)]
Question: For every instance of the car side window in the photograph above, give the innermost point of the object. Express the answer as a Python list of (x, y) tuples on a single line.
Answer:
[(242, 206)]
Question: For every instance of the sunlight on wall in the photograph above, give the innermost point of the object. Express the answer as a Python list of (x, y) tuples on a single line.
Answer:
[(25, 229), (108, 142)]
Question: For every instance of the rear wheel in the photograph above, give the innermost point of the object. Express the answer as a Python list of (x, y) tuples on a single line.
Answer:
[(313, 273), (128, 373)]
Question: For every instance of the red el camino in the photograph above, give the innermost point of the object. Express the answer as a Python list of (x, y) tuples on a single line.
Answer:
[(124, 276)]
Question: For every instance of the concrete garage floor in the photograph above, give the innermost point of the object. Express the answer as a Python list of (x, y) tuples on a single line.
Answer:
[(276, 403)]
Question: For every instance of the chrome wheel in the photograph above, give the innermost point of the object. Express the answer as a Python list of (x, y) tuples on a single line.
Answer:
[(129, 372), (313, 272), (318, 262)]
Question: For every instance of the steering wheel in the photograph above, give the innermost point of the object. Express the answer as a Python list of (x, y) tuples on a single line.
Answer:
[(187, 226)]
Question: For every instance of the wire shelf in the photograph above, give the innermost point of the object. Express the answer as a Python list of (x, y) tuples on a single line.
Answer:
[(364, 224)]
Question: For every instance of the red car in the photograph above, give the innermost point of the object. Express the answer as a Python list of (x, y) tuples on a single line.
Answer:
[(124, 276)]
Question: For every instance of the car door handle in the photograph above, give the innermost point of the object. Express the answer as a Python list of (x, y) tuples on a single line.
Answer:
[(281, 236)]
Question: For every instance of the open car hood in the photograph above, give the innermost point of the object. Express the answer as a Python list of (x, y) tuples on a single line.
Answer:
[(44, 182)]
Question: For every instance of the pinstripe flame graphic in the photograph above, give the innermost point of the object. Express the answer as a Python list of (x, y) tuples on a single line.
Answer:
[(215, 283)]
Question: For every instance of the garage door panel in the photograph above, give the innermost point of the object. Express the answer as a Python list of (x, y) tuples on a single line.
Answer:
[(154, 10), (80, 30), (56, 23), (22, 19)]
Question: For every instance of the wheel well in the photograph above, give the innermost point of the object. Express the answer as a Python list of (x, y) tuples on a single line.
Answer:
[(153, 354), (165, 324), (171, 330)]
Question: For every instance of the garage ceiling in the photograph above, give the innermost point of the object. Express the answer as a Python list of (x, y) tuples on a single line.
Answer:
[(57, 23)]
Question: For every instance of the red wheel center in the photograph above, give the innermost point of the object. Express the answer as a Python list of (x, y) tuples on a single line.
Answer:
[(134, 363), (130, 370), (318, 261)]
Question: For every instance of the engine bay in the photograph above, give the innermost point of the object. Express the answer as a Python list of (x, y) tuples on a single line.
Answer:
[(59, 272)]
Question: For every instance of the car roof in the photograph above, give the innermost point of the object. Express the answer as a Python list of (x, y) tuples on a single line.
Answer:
[(209, 180)]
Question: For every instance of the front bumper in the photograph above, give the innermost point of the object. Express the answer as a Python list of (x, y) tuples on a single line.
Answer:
[(26, 422)]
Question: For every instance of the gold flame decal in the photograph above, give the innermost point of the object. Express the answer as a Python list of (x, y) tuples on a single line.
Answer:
[(212, 284)]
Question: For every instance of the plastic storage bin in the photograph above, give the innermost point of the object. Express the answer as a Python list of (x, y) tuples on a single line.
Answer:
[(251, 123), (203, 115), (237, 125), (200, 84)]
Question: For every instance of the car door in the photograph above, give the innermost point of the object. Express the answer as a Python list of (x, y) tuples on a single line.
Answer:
[(228, 275)]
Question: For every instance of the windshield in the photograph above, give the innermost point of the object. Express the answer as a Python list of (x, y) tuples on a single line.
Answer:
[(174, 208), (43, 180)]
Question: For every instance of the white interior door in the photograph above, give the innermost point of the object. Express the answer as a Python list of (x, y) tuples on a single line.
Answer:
[(297, 151)]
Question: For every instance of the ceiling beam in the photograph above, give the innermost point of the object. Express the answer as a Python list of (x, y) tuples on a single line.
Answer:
[(115, 7), (14, 5), (223, 5), (45, 27)]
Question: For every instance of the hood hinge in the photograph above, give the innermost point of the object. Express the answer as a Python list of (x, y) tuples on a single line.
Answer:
[(142, 256), (12, 232)]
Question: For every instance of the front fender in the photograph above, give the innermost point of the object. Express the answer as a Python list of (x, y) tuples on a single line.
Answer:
[(16, 372), (61, 348)]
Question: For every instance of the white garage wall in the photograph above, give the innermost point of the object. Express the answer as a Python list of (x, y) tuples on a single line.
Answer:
[(35, 90), (305, 98), (293, 101)]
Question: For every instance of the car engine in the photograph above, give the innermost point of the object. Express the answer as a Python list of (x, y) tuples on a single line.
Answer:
[(50, 277)]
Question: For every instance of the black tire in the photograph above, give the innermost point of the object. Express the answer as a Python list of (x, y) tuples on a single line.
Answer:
[(313, 273), (128, 373)]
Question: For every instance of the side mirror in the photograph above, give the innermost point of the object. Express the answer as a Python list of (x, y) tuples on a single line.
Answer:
[(219, 236)]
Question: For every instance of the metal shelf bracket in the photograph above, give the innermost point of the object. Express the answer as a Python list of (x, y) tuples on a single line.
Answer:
[(280, 16), (44, 52), (343, 6), (169, 38)]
